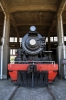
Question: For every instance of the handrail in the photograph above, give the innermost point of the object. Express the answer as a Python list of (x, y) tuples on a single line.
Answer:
[(32, 62)]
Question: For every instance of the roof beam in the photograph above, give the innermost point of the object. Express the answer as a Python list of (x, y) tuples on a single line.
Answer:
[(33, 8), (1, 24), (59, 11), (13, 23), (22, 24), (43, 24), (52, 23), (61, 7), (15, 27), (4, 7)]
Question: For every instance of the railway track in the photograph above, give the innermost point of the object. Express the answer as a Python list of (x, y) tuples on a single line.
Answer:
[(11, 94), (32, 95), (51, 93), (54, 91)]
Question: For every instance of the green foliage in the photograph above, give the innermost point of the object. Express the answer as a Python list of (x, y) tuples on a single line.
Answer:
[(12, 58)]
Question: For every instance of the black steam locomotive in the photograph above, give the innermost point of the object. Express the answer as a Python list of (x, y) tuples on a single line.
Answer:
[(33, 64)]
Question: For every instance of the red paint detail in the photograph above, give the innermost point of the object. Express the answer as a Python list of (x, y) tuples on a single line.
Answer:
[(51, 68), (51, 75), (13, 75), (18, 67)]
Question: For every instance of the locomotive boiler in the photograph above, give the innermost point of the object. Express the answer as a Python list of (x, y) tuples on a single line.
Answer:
[(33, 65)]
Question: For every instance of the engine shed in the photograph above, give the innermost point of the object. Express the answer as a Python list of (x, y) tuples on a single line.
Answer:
[(16, 17)]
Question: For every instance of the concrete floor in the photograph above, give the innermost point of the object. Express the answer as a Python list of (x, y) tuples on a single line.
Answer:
[(32, 94), (58, 89), (5, 88), (38, 93)]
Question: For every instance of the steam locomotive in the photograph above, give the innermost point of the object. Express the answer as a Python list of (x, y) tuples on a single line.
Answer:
[(33, 65)]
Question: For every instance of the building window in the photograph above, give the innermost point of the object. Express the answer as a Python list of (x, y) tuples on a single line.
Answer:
[(13, 51), (64, 38), (20, 39), (55, 39), (13, 39), (46, 39), (51, 39), (10, 51)]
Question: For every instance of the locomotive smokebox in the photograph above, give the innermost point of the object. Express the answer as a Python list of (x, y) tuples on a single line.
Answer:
[(33, 42)]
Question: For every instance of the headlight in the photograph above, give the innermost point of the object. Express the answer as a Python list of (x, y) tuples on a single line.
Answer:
[(32, 41), (32, 28)]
